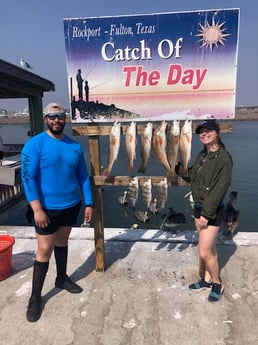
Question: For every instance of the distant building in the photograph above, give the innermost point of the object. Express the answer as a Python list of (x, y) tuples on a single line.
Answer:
[(3, 112)]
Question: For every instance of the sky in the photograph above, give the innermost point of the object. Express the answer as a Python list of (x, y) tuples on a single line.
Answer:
[(34, 31)]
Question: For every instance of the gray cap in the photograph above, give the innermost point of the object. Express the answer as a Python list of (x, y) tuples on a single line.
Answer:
[(53, 108)]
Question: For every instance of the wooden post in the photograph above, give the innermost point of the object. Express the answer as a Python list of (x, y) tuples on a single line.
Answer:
[(71, 88), (36, 115), (98, 209), (201, 268)]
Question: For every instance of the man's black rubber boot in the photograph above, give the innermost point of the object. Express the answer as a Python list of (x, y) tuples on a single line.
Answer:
[(68, 285), (34, 309)]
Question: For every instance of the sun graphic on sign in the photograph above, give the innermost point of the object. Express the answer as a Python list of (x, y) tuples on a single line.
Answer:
[(212, 35)]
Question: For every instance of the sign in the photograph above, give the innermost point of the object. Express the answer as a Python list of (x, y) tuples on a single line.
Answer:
[(152, 67)]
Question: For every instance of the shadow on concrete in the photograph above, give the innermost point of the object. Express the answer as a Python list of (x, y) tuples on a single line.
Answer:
[(22, 261), (119, 247), (225, 252), (181, 240)]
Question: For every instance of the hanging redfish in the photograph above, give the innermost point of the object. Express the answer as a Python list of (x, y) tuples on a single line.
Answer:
[(146, 146), (130, 145), (173, 144), (114, 145), (185, 146), (159, 146)]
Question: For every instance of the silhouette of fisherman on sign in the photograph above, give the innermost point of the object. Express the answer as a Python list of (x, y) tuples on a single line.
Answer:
[(79, 83), (86, 89)]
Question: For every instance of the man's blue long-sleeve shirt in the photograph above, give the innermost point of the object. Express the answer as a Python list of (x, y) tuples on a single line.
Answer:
[(54, 172)]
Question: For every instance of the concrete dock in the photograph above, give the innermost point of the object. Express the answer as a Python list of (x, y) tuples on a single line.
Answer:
[(142, 298)]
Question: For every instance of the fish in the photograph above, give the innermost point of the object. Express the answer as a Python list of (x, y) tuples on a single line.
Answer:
[(232, 216), (189, 196), (146, 192), (173, 144), (185, 146), (159, 145), (146, 138), (142, 216), (130, 145), (133, 191), (122, 199), (114, 146), (172, 219), (153, 206), (162, 192), (85, 224)]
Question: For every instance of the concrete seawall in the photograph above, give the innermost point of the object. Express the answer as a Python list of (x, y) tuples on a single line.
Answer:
[(142, 297)]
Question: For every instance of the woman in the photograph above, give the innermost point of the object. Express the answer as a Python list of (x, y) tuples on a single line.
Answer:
[(210, 179)]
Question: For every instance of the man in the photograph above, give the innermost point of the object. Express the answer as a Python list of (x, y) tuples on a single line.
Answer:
[(53, 174)]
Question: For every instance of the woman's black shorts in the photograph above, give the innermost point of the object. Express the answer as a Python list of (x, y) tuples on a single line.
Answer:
[(219, 215)]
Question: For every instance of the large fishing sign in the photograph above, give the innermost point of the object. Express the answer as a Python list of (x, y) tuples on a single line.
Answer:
[(153, 67)]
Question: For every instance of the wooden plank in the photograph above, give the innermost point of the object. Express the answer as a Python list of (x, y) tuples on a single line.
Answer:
[(94, 129)]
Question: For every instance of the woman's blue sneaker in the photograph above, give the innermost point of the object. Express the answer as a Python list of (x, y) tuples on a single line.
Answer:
[(216, 292), (200, 285)]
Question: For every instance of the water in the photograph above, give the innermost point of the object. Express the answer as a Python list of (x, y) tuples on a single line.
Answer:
[(242, 144)]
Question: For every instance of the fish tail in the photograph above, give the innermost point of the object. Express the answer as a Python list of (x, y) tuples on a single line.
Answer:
[(133, 203), (106, 172), (130, 168), (184, 171), (171, 177), (142, 169), (162, 205)]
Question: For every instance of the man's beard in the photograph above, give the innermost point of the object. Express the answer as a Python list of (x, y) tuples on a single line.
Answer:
[(56, 131)]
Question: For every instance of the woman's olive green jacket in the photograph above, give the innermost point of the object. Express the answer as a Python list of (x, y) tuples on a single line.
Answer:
[(210, 179)]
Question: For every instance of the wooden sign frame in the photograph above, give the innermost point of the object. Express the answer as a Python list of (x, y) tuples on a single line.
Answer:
[(94, 131)]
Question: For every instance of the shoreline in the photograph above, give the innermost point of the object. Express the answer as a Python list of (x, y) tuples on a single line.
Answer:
[(241, 114)]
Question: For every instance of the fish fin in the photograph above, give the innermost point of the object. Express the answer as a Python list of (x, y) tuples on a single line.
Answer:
[(131, 138), (160, 141)]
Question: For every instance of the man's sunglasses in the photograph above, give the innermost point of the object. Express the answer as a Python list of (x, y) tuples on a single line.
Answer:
[(60, 116)]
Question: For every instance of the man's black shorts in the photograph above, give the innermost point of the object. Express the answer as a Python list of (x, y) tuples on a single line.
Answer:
[(66, 217)]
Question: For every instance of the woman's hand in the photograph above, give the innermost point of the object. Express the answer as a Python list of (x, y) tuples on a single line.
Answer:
[(202, 223)]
